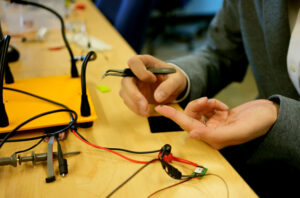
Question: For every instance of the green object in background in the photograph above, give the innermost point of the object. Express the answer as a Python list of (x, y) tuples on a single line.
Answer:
[(103, 88)]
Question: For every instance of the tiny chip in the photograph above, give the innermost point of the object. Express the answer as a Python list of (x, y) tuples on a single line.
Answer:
[(103, 88)]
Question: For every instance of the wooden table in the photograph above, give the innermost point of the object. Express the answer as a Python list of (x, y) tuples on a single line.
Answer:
[(95, 173)]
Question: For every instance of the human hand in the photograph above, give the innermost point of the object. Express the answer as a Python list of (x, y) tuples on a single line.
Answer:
[(211, 121), (147, 88)]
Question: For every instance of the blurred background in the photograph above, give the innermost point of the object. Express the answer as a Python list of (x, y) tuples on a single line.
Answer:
[(165, 29), (168, 29)]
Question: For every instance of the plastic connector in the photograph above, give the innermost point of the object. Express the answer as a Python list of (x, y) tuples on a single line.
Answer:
[(50, 179), (63, 165)]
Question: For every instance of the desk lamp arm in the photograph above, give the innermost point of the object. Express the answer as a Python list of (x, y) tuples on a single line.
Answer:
[(74, 71)]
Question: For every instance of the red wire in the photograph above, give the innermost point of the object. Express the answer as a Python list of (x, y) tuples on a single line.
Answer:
[(114, 152), (170, 158)]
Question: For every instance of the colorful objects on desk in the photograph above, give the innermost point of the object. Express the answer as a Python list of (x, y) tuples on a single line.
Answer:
[(88, 42), (80, 6)]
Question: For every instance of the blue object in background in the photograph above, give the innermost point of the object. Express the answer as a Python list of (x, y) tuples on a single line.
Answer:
[(129, 17), (204, 7)]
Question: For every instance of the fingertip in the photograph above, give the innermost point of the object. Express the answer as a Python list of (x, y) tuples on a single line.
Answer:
[(144, 109), (160, 96), (194, 134)]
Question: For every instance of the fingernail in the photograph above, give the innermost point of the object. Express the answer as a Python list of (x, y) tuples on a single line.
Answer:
[(142, 107), (142, 104), (224, 106), (160, 96), (200, 100)]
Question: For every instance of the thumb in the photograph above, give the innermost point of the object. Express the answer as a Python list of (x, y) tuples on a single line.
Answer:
[(166, 90)]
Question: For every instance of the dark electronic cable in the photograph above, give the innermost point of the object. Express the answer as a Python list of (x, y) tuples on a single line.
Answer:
[(120, 149), (41, 98), (74, 71), (4, 43), (34, 118), (73, 115), (28, 149), (63, 165)]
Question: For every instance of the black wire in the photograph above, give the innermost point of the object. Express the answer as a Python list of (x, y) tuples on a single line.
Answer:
[(3, 55), (74, 71), (45, 99), (39, 97), (22, 151), (38, 116), (25, 139), (72, 122), (130, 177), (120, 149)]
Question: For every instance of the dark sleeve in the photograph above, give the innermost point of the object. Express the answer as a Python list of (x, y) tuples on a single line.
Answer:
[(222, 59), (282, 142)]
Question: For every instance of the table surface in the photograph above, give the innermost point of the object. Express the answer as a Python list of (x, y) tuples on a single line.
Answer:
[(94, 172)]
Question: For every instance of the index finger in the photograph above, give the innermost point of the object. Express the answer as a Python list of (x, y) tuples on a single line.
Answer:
[(184, 121)]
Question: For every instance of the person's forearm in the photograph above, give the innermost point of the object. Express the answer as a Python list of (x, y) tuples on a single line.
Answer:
[(282, 142)]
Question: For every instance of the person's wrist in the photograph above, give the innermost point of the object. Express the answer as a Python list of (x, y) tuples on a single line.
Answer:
[(185, 92)]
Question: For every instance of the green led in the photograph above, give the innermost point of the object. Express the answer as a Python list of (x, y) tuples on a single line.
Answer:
[(103, 88)]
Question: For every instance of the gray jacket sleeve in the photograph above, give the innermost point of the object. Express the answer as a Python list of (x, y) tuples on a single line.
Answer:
[(221, 61), (282, 142)]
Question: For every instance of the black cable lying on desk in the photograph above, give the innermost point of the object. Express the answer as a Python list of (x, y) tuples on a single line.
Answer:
[(73, 116), (28, 149), (74, 71), (120, 149)]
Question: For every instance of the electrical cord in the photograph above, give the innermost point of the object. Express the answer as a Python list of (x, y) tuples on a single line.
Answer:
[(130, 177), (25, 139), (4, 43), (74, 71), (72, 113), (44, 99), (120, 149), (34, 118), (106, 149), (223, 180), (28, 149), (165, 188)]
